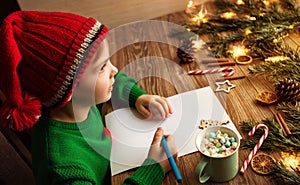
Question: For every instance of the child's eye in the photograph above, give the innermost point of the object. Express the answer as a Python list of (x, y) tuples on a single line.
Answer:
[(102, 67)]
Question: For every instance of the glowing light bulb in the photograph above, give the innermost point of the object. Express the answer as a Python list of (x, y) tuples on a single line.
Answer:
[(238, 51), (290, 160), (276, 59), (201, 16), (240, 2), (228, 15), (191, 8), (198, 44), (248, 31)]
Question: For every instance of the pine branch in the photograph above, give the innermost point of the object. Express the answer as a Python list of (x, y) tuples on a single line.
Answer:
[(292, 117), (286, 176), (268, 24), (292, 112), (286, 68), (275, 140)]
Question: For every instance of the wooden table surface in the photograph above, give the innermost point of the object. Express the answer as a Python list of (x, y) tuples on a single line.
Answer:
[(156, 66)]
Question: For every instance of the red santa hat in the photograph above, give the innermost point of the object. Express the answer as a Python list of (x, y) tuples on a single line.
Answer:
[(42, 57)]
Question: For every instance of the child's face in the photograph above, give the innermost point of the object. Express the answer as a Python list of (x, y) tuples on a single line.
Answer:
[(96, 84)]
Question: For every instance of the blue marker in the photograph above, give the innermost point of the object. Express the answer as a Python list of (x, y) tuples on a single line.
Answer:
[(171, 160)]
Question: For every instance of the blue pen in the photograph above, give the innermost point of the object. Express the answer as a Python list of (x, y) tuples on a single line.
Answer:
[(171, 160)]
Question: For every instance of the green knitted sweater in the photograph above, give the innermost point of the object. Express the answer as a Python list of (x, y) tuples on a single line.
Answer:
[(78, 153)]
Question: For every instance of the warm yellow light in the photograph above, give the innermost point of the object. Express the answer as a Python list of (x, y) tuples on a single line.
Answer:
[(190, 4), (262, 14), (275, 41), (290, 160), (191, 8), (202, 13), (228, 15), (204, 20), (239, 51), (200, 17), (198, 44), (267, 3), (276, 59), (240, 2), (248, 31), (250, 18), (195, 19), (291, 26), (188, 29)]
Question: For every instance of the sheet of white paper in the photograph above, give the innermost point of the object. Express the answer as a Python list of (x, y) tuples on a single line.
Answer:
[(132, 136)]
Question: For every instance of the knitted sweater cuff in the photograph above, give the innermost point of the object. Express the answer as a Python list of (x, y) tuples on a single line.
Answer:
[(127, 91), (134, 94), (151, 172)]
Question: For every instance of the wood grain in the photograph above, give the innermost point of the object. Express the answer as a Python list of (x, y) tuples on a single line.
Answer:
[(159, 72), (112, 13), (240, 103)]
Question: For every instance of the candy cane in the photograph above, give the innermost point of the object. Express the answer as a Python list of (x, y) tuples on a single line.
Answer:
[(230, 71), (257, 146)]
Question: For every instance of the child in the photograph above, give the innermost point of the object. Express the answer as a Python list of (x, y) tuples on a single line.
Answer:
[(59, 63)]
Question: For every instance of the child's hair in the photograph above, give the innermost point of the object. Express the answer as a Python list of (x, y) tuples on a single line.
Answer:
[(42, 57)]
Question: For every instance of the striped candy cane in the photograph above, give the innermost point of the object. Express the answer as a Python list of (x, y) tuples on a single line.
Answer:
[(257, 146), (230, 71)]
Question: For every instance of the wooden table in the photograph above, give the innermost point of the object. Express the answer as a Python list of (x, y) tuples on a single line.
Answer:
[(170, 77)]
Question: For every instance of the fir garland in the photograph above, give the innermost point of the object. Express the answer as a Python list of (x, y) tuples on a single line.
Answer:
[(275, 140), (286, 176), (287, 67), (261, 28), (292, 116), (292, 110), (265, 23)]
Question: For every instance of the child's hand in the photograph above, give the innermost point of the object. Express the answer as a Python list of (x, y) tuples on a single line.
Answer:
[(157, 151), (152, 104)]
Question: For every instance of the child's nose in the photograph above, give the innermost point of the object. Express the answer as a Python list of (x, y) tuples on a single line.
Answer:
[(114, 69)]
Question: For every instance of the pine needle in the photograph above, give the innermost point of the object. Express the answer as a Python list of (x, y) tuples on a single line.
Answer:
[(286, 176), (275, 140)]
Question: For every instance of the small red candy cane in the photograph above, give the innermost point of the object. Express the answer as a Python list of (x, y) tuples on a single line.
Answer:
[(257, 146), (230, 71)]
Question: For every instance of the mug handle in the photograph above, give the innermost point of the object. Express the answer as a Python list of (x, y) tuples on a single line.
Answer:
[(199, 170)]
